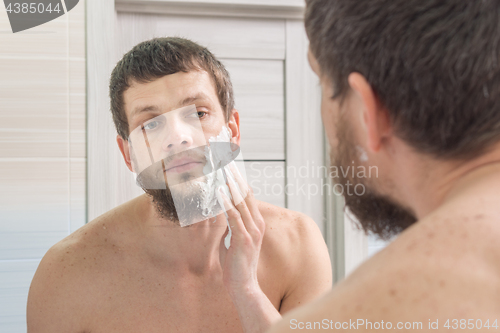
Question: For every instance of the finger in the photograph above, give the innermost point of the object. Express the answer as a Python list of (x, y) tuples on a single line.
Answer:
[(246, 215), (233, 189), (223, 248), (234, 217), (246, 190), (250, 200), (235, 173), (226, 232)]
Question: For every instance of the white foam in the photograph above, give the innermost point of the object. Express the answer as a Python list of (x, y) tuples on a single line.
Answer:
[(215, 180), (363, 156)]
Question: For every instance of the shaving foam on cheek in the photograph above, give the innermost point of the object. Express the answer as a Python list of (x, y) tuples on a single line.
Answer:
[(214, 176), (217, 171), (209, 203), (217, 180)]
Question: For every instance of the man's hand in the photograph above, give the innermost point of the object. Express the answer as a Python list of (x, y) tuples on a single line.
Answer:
[(240, 261)]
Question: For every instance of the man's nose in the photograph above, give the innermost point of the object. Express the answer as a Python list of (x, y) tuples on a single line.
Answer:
[(178, 137)]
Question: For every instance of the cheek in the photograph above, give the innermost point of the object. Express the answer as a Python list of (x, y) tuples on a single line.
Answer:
[(213, 127)]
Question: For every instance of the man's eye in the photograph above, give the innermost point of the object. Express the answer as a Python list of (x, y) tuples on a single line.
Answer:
[(151, 125), (198, 114)]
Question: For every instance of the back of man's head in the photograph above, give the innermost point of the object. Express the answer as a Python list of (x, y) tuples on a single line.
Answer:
[(155, 58), (433, 64)]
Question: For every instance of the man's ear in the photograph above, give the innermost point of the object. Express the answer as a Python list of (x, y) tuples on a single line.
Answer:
[(234, 126), (375, 116), (124, 148)]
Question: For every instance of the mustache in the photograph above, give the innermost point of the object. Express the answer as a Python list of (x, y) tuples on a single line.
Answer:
[(154, 177), (197, 153), (213, 157)]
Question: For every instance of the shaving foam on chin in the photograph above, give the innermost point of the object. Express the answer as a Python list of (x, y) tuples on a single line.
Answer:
[(211, 203), (213, 179), (217, 180)]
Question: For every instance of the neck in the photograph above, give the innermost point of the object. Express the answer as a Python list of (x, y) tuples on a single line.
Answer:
[(426, 184), (193, 249)]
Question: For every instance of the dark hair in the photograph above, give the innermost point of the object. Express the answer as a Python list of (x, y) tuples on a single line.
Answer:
[(155, 58), (434, 65)]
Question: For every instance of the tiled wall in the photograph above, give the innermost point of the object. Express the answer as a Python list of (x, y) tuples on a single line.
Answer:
[(42, 149)]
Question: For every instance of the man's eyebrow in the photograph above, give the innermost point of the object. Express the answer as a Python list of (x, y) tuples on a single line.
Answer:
[(192, 99), (184, 102), (147, 108)]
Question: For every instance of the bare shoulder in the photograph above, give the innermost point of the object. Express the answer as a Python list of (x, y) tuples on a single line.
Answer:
[(291, 223), (439, 269), (294, 246), (289, 230), (54, 296), (62, 288)]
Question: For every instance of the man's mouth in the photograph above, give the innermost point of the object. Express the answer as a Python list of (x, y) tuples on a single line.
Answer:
[(182, 165)]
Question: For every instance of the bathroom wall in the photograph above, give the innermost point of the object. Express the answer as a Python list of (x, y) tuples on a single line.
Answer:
[(42, 149)]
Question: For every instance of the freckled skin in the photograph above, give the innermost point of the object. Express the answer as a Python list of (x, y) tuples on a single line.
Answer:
[(445, 266)]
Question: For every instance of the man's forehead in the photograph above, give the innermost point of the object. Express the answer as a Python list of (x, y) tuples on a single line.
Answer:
[(169, 92)]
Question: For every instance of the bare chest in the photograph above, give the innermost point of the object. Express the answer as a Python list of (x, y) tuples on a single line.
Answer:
[(153, 303)]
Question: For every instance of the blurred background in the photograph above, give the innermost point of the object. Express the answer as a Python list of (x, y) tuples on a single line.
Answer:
[(60, 166)]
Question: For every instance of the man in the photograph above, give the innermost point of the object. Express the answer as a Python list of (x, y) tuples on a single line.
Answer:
[(413, 88), (135, 269)]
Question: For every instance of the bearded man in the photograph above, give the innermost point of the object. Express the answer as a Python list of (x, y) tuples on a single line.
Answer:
[(413, 88), (161, 262)]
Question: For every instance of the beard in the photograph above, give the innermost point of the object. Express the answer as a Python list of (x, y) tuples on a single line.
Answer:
[(181, 199), (374, 212), (187, 207)]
